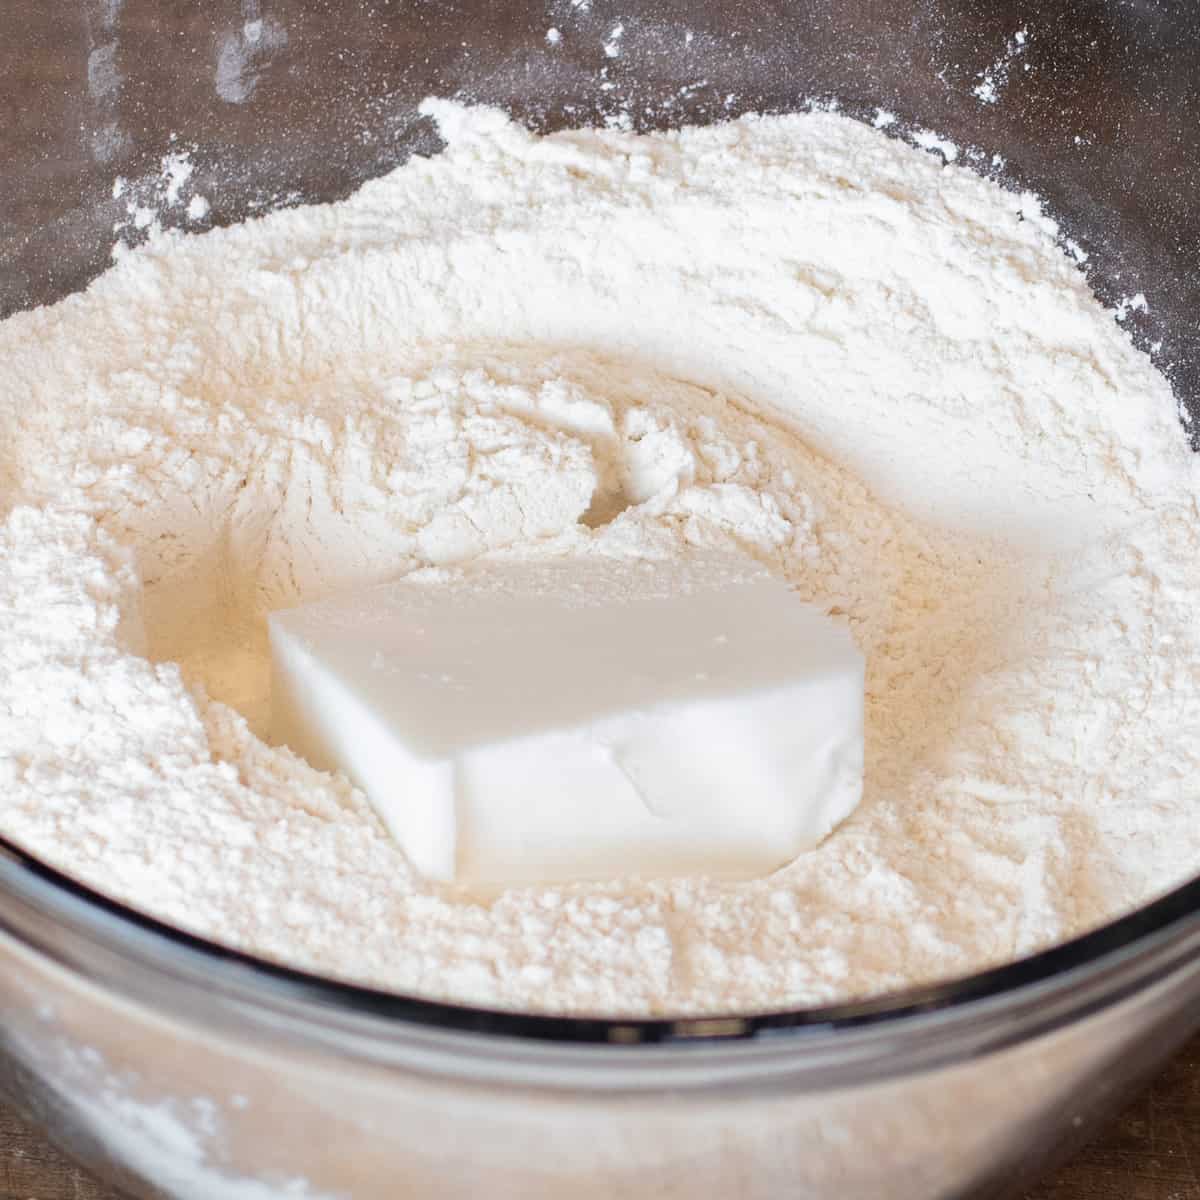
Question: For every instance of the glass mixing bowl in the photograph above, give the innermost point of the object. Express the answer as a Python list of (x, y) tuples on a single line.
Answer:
[(179, 1069)]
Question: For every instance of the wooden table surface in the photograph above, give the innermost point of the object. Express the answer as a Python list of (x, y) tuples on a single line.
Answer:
[(1151, 1151)]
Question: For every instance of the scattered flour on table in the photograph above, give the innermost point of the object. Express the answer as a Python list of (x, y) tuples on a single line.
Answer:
[(993, 81), (874, 372)]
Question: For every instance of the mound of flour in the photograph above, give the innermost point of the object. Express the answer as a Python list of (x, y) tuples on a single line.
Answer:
[(793, 336)]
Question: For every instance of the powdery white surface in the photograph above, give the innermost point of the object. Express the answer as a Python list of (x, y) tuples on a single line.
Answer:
[(793, 336)]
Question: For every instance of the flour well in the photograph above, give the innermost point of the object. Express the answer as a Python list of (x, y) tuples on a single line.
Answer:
[(791, 336)]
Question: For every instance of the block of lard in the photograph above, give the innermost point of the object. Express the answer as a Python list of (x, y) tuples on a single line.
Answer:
[(550, 721)]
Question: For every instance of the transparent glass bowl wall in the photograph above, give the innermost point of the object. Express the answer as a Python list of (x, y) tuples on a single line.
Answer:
[(177, 1070), (181, 1070)]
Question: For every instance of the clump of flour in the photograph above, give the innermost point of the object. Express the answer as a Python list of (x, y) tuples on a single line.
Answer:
[(789, 335)]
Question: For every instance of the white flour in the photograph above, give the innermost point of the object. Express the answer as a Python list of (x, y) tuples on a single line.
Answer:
[(876, 373)]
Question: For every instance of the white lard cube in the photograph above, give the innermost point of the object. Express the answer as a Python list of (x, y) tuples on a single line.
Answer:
[(552, 721)]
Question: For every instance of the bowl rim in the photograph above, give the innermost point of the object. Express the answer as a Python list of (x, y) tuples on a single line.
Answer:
[(1080, 957)]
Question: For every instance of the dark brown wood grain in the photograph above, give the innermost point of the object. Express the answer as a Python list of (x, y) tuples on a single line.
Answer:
[(30, 1169), (1150, 1152)]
